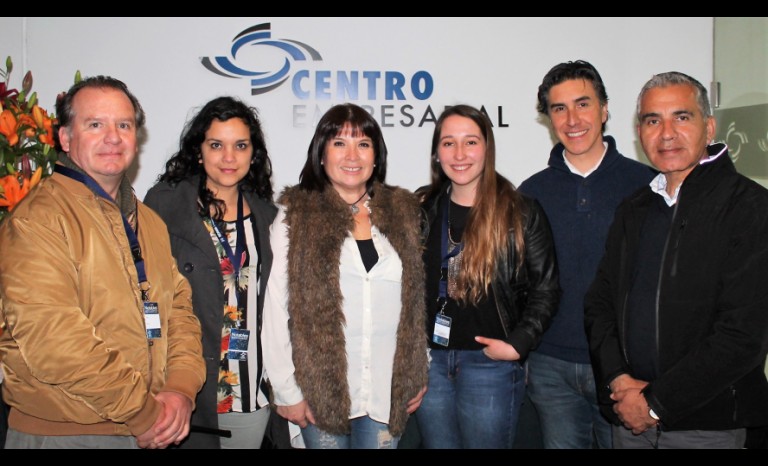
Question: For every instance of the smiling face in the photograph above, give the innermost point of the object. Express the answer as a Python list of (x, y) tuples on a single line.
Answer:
[(461, 153), (101, 138), (577, 118), (348, 162), (673, 131), (226, 153)]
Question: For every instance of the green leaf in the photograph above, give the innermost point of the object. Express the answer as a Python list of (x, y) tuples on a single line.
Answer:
[(33, 99)]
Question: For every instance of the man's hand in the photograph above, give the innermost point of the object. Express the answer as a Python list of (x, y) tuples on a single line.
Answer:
[(625, 382), (498, 350), (631, 405), (415, 402), (145, 440), (298, 414), (172, 425)]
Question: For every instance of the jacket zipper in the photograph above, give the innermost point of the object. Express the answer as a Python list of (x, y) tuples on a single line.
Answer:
[(673, 272)]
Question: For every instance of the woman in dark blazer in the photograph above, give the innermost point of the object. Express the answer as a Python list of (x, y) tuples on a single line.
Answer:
[(216, 198)]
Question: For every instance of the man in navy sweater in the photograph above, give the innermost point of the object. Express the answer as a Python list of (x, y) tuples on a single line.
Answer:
[(585, 181)]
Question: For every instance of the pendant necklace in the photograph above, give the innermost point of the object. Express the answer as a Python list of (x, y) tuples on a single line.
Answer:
[(354, 208)]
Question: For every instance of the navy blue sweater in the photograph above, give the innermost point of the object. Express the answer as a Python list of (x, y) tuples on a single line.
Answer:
[(580, 210)]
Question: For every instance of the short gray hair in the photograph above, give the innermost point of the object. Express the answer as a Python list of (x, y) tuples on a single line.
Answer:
[(671, 78)]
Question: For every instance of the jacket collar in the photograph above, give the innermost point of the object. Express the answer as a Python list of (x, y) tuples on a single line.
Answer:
[(704, 173), (188, 225)]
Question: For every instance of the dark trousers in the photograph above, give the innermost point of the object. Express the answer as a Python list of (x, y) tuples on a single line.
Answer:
[(277, 435)]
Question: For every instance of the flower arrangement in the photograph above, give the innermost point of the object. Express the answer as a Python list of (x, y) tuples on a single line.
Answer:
[(26, 140)]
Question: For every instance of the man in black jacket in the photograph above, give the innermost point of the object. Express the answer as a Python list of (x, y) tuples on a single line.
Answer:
[(677, 317)]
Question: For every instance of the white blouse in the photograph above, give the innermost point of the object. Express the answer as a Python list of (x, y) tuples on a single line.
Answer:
[(372, 312)]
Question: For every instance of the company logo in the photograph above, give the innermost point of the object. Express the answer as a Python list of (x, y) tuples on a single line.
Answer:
[(394, 97), (256, 46)]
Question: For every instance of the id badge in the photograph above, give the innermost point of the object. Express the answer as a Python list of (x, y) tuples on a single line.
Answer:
[(442, 330), (152, 320), (238, 344)]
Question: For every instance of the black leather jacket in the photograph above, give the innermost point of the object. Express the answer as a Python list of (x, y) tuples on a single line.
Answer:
[(526, 299)]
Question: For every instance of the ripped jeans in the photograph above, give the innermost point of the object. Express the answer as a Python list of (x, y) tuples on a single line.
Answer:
[(365, 433)]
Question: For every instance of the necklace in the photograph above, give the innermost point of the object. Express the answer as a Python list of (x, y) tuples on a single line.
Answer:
[(355, 209), (450, 238)]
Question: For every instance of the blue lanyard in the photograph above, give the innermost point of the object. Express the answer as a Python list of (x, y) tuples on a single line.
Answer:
[(236, 257), (443, 288), (132, 239)]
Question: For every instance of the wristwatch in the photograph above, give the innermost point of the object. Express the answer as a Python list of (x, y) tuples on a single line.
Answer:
[(653, 414)]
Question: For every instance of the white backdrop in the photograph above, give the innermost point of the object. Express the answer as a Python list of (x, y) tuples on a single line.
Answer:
[(497, 63)]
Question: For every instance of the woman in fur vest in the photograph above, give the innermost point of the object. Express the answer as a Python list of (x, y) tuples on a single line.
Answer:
[(492, 288), (345, 348)]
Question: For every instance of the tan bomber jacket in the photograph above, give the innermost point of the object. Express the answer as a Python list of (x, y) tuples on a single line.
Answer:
[(77, 359)]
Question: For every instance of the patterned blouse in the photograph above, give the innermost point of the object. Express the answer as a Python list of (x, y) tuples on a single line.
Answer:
[(238, 371)]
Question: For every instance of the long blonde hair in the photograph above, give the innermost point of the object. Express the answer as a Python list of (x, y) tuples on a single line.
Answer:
[(498, 209)]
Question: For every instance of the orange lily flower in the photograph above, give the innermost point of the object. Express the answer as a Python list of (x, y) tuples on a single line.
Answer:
[(42, 122), (47, 138), (13, 191), (26, 120), (8, 127)]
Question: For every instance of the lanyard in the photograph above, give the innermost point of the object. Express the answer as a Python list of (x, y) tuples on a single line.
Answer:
[(236, 257), (132, 239), (443, 289)]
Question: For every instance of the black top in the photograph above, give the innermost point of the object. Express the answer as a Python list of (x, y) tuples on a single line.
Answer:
[(467, 321), (368, 253)]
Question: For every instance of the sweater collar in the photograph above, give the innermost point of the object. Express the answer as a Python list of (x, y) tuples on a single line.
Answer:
[(557, 157)]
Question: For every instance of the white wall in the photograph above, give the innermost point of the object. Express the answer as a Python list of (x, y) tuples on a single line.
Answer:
[(495, 62)]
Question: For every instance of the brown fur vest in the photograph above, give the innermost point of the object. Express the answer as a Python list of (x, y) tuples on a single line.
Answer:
[(318, 224)]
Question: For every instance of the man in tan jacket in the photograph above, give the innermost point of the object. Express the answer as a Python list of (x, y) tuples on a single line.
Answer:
[(101, 348)]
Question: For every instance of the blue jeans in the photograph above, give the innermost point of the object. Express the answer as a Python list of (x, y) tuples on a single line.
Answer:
[(365, 433), (565, 398), (471, 402)]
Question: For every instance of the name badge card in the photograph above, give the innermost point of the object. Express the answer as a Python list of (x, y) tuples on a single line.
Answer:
[(238, 344), (442, 329), (152, 320)]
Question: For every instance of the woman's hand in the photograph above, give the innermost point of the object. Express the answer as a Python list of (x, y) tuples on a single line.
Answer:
[(415, 402), (298, 414), (498, 350)]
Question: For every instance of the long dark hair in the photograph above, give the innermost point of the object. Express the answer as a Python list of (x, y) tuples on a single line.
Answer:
[(186, 162), (313, 176)]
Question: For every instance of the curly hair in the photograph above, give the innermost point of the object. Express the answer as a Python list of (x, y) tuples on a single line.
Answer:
[(185, 163)]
